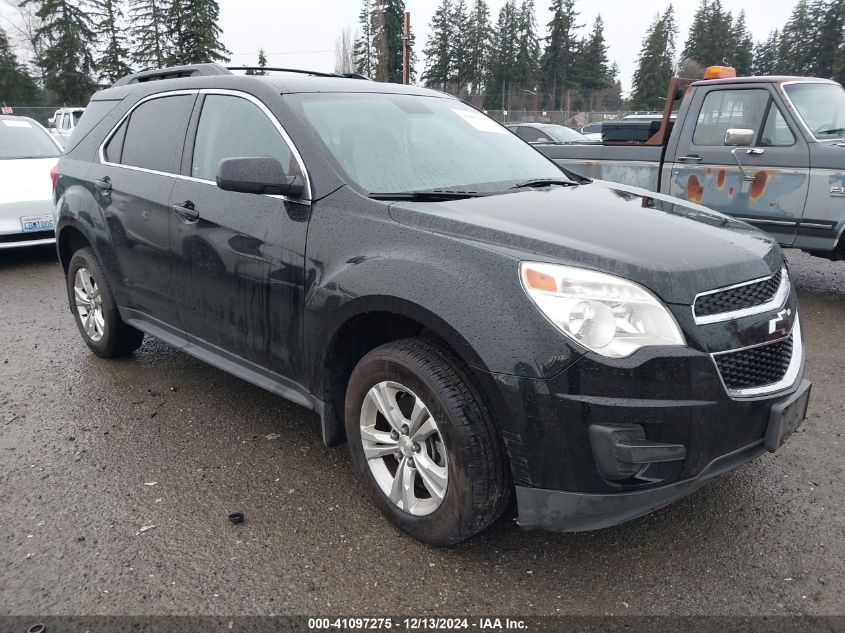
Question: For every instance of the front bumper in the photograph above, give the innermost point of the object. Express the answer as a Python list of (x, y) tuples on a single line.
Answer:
[(558, 511)]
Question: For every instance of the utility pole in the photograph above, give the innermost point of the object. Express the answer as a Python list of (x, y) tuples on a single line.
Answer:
[(406, 50)]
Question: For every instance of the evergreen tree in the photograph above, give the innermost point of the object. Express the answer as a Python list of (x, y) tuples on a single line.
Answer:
[(439, 49), (710, 40), (193, 27), (112, 60), (656, 63), (388, 28), (742, 57), (364, 43), (766, 55), (16, 86), (595, 73), (794, 50), (502, 55), (148, 23), (478, 45), (262, 63), (526, 65), (560, 58), (460, 47), (828, 37), (66, 63)]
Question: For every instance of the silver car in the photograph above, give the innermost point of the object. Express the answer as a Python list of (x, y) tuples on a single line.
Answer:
[(28, 156)]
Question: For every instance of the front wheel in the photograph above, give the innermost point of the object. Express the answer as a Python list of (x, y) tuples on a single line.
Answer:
[(95, 310), (423, 441)]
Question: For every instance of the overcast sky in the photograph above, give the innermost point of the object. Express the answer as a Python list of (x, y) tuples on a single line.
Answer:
[(303, 34)]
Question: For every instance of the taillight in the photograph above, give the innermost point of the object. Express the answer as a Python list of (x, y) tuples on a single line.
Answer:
[(54, 176)]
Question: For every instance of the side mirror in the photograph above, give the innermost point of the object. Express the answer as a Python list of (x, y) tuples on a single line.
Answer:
[(257, 174), (739, 137)]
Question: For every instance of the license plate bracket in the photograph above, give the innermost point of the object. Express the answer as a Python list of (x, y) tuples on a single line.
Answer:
[(786, 416)]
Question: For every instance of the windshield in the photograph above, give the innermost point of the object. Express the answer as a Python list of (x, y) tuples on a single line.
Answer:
[(563, 134), (821, 107), (397, 143), (20, 138)]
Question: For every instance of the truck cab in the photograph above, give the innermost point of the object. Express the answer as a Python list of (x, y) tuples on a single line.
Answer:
[(766, 150)]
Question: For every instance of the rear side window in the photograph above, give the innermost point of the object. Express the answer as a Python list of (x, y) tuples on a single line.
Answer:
[(114, 148), (155, 134), (232, 127), (95, 112), (727, 109)]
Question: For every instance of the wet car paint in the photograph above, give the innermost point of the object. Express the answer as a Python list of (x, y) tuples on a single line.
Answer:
[(277, 289)]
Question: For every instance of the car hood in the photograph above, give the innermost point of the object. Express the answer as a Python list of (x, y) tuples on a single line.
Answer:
[(674, 248), (23, 179)]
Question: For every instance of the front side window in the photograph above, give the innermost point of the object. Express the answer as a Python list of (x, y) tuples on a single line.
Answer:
[(155, 132), (729, 109), (776, 132), (388, 143), (233, 127), (22, 138), (821, 106)]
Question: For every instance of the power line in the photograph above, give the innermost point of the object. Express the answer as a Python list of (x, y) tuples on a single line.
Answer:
[(327, 50)]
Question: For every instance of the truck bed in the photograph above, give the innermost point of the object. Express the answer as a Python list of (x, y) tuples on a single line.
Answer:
[(635, 165)]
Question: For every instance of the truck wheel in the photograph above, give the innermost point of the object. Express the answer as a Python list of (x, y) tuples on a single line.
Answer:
[(423, 441), (95, 310)]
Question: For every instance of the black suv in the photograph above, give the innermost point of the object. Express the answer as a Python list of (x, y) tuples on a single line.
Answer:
[(475, 321)]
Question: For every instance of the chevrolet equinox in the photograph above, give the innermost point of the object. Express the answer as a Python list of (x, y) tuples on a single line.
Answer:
[(479, 324)]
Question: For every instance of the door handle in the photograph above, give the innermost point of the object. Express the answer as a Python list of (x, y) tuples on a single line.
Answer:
[(755, 151), (103, 184), (692, 158), (186, 211)]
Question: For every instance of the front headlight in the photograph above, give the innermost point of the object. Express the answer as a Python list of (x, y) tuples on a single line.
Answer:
[(606, 314)]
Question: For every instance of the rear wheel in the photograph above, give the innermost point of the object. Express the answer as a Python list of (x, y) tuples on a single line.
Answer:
[(95, 310), (423, 441)]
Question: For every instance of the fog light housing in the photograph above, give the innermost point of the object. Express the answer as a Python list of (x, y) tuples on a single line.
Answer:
[(622, 450)]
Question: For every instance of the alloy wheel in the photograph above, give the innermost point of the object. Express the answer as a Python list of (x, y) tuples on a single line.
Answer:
[(89, 305)]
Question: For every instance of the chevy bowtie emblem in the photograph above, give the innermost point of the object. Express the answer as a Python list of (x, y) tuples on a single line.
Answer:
[(773, 323)]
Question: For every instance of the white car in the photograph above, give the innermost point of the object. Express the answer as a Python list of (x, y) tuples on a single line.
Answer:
[(28, 156), (64, 122)]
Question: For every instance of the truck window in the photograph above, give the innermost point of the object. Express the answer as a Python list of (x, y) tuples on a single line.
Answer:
[(776, 132), (726, 109)]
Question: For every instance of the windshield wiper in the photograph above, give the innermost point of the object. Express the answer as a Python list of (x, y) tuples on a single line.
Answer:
[(836, 130), (544, 182), (430, 195)]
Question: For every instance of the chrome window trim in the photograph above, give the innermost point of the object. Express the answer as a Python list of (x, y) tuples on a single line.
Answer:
[(795, 111), (789, 378), (235, 93), (762, 221), (774, 303)]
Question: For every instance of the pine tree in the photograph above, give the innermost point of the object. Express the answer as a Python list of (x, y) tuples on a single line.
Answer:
[(66, 63), (595, 75), (112, 60), (710, 41), (193, 27), (766, 55), (794, 51), (388, 28), (526, 64), (742, 56), (478, 44), (502, 55), (828, 17), (560, 60), (262, 63), (16, 86), (656, 63), (460, 47), (439, 49), (148, 23), (364, 44)]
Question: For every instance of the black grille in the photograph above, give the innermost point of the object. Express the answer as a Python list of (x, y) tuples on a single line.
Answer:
[(27, 237), (755, 367), (738, 298)]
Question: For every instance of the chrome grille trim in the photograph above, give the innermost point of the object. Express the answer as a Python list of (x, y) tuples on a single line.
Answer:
[(789, 378), (775, 303)]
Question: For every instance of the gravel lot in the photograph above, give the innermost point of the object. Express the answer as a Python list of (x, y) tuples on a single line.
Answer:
[(92, 451)]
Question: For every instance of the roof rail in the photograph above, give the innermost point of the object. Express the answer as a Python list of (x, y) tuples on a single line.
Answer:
[(174, 72), (314, 73)]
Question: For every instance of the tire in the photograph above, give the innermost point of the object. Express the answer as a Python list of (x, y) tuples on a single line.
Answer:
[(105, 332), (467, 447)]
